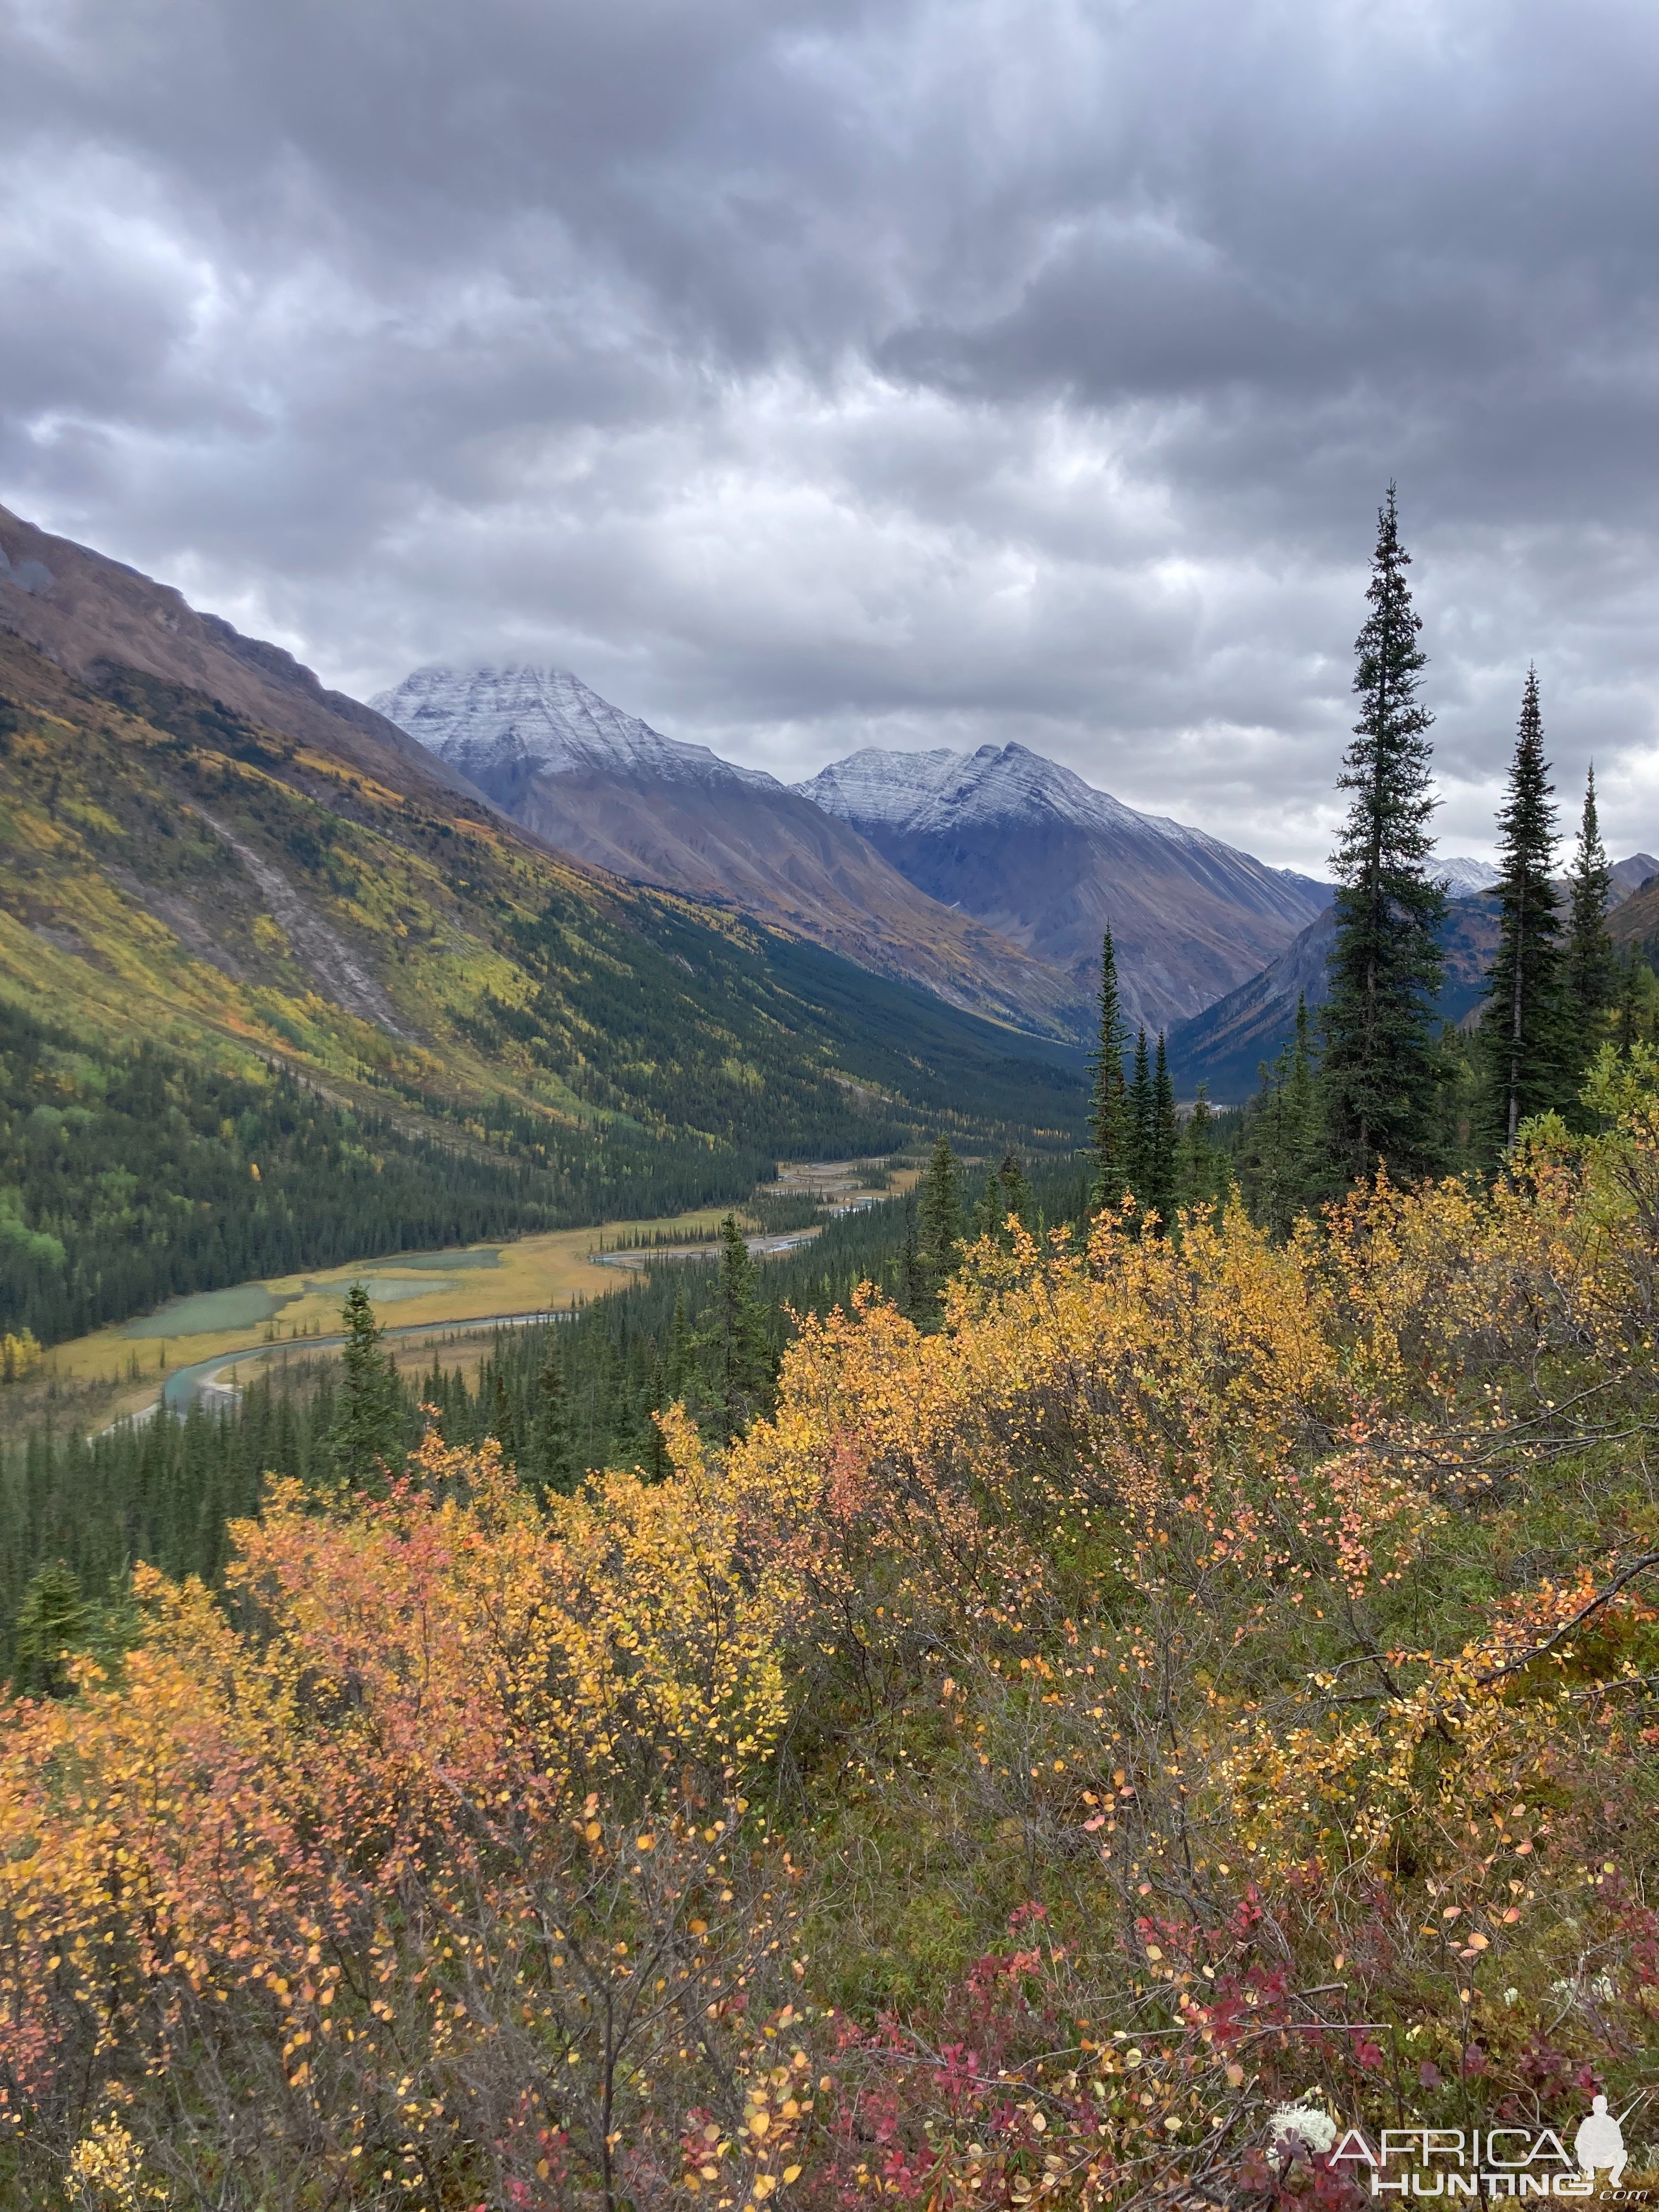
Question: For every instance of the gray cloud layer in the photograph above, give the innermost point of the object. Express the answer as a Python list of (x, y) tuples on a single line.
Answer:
[(815, 373)]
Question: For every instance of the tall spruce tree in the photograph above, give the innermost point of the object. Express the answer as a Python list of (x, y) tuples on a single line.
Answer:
[(941, 1223), (913, 1289), (1592, 963), (1523, 1025), (740, 1363), (1203, 1178), (52, 1619), (552, 1458), (1627, 1015), (367, 1432), (1013, 1192), (680, 1369), (1163, 1147), (504, 1420), (987, 1215), (1109, 1107), (1380, 1064), (1142, 1105)]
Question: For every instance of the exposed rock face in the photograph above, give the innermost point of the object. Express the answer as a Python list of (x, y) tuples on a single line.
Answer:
[(1630, 876), (609, 789), (1633, 920), (1045, 858)]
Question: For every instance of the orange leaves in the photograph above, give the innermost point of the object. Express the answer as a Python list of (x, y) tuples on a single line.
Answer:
[(442, 1696)]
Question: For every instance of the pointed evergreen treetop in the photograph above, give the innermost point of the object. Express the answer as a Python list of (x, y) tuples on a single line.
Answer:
[(1142, 1110), (941, 1224), (1523, 1027), (736, 1337), (368, 1405), (1380, 1067), (1592, 964), (1108, 1106), (1163, 1146), (552, 1456)]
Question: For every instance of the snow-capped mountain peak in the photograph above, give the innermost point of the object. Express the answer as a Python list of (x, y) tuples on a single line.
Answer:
[(1462, 877), (542, 720), (918, 792)]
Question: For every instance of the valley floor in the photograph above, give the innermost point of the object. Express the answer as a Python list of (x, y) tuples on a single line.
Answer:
[(191, 1343)]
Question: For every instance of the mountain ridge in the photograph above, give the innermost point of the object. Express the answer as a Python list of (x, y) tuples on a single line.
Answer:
[(990, 876), (1048, 861), (606, 789), (86, 611), (547, 717), (1224, 1044)]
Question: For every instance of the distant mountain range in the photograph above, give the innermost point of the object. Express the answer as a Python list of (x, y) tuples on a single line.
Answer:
[(610, 790), (988, 876), (1225, 1044)]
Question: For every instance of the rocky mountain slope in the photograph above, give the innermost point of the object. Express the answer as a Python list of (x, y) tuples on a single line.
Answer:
[(1043, 857), (1225, 1044), (1631, 876), (1634, 922), (90, 614), (609, 789)]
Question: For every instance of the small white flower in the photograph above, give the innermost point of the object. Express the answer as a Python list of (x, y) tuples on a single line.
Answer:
[(1510, 1995)]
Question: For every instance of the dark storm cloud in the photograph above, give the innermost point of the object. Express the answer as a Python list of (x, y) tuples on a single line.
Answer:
[(812, 374)]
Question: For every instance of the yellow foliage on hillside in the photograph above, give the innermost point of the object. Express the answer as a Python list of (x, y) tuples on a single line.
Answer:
[(19, 1356)]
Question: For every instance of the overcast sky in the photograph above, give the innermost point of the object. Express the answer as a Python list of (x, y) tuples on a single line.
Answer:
[(808, 373)]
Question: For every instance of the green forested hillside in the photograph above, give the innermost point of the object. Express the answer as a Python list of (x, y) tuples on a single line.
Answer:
[(137, 1176), (189, 904)]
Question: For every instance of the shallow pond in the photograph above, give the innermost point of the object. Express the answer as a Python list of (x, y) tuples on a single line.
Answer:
[(243, 1306)]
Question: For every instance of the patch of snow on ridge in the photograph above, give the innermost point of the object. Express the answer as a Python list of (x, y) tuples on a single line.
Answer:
[(1462, 877), (471, 717)]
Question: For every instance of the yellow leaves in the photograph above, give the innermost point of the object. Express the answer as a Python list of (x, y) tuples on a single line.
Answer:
[(107, 2167), (19, 1355)]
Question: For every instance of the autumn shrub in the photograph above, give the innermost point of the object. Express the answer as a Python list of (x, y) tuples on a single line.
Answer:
[(1208, 1674)]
